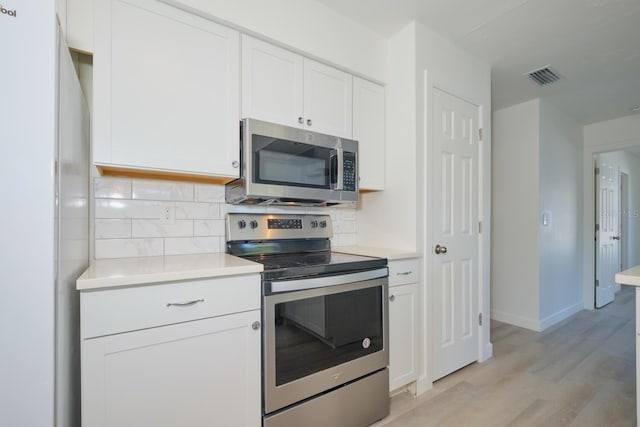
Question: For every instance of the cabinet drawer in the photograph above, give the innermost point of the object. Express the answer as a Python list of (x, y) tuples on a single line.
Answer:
[(116, 310), (403, 271)]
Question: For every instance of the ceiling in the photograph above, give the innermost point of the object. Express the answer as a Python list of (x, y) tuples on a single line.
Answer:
[(594, 44)]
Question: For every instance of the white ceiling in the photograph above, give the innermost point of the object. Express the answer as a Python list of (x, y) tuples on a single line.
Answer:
[(594, 44)]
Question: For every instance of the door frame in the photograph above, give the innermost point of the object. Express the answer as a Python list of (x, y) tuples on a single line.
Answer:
[(426, 85), (624, 220), (589, 219)]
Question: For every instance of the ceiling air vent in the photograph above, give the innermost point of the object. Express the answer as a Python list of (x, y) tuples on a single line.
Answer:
[(544, 76)]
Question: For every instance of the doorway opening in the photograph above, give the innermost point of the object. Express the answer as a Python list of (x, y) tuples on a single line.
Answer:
[(615, 176)]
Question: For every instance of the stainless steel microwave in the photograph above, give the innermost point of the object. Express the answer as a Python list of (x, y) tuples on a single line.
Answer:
[(287, 165)]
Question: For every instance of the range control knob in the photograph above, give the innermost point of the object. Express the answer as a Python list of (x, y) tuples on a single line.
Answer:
[(254, 224), (242, 224), (323, 224), (314, 224)]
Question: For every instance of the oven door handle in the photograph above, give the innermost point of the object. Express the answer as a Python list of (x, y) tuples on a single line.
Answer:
[(319, 282)]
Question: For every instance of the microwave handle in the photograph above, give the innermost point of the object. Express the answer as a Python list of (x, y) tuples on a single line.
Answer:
[(340, 169)]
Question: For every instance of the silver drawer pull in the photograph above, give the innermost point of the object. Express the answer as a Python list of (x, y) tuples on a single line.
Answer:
[(404, 273), (185, 304)]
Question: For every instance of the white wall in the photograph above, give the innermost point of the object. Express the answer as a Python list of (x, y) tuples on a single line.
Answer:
[(610, 135), (560, 193), (536, 269), (388, 218), (27, 142), (514, 250)]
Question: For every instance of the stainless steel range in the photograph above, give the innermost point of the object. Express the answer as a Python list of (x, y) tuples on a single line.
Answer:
[(325, 317)]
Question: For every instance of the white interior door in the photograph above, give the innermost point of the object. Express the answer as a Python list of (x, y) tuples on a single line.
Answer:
[(607, 232), (454, 278)]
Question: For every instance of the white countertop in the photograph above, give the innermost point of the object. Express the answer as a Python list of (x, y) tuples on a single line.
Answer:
[(629, 277), (131, 271), (390, 254)]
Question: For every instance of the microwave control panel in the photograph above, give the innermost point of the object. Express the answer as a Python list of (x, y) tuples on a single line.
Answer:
[(349, 168)]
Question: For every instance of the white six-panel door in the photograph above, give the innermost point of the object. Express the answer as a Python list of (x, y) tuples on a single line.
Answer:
[(607, 234), (454, 278)]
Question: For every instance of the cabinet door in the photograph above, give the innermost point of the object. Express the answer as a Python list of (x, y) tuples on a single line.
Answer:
[(368, 130), (637, 352), (200, 373), (328, 99), (79, 25), (403, 335), (166, 89), (271, 83)]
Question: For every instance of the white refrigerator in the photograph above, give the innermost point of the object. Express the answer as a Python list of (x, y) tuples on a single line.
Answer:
[(44, 222)]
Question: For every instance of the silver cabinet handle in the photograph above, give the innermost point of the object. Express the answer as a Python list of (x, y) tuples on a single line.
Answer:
[(235, 164), (309, 122), (615, 237), (255, 325), (404, 273), (392, 298), (300, 120), (185, 304)]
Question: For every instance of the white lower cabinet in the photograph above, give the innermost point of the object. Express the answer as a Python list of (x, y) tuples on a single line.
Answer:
[(637, 353), (201, 372), (403, 317), (403, 324)]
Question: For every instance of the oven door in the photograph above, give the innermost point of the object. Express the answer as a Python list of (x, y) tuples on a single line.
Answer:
[(317, 339), (287, 163)]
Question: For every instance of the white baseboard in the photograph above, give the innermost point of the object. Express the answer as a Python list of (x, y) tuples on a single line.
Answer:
[(514, 319), (534, 324), (560, 315), (487, 352)]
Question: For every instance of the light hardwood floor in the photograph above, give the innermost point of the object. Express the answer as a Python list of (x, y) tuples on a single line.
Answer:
[(580, 372)]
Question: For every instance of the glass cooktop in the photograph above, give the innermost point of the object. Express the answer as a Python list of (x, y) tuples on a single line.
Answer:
[(283, 266)]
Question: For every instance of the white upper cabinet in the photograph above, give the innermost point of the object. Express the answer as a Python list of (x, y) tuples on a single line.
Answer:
[(283, 87), (368, 130), (79, 24), (166, 90), (271, 83), (328, 99)]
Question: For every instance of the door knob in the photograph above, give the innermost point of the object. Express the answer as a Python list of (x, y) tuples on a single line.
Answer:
[(441, 250)]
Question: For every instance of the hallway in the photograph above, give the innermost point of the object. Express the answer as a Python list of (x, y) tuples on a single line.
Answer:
[(580, 372)]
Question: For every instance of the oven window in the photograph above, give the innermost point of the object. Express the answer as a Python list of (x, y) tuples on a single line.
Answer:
[(278, 161), (317, 333)]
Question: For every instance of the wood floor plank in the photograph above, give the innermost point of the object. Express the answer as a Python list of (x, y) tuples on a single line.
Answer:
[(580, 372), (613, 405)]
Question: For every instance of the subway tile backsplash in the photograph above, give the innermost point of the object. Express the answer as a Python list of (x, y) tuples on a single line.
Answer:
[(135, 217)]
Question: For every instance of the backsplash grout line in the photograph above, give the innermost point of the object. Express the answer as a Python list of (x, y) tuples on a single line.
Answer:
[(201, 204)]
